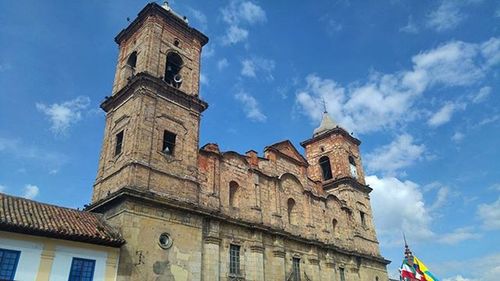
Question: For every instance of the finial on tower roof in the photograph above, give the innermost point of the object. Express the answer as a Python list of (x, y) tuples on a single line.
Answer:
[(324, 105)]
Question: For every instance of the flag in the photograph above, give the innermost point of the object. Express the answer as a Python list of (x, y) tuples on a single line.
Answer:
[(407, 271), (420, 266)]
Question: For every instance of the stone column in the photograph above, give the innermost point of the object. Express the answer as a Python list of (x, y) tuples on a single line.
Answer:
[(279, 268), (328, 271), (210, 270), (255, 268)]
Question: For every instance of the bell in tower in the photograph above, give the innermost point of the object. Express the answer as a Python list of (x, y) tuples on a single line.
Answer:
[(153, 115)]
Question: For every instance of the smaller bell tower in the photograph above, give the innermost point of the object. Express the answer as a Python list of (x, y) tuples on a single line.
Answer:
[(153, 114), (333, 154)]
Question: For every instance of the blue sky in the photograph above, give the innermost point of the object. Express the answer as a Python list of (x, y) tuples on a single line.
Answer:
[(416, 81)]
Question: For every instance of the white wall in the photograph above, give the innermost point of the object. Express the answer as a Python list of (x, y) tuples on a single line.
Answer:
[(29, 260), (64, 256)]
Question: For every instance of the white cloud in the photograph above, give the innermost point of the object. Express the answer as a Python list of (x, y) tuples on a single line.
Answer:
[(251, 107), (331, 25), (399, 206), (447, 16), (239, 13), (457, 137), (459, 278), (30, 191), (234, 34), (410, 27), (490, 214), (491, 51), (222, 63), (208, 51), (20, 150), (386, 100), (482, 95), (2, 188), (459, 235), (443, 115), (258, 67), (63, 115), (204, 79), (200, 17), (485, 268), (400, 153)]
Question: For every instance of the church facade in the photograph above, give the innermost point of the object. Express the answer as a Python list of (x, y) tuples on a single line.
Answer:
[(191, 213)]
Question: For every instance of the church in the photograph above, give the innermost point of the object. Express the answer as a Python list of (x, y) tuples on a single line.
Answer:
[(185, 211)]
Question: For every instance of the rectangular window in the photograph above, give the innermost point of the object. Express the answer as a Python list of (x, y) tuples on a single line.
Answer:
[(119, 143), (168, 142), (8, 264), (296, 269), (342, 274), (82, 270), (234, 259), (362, 217)]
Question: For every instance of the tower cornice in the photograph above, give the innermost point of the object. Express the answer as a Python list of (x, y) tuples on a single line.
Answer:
[(160, 87), (155, 9), (335, 131)]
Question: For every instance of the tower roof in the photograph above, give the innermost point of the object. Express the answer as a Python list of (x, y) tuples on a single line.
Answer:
[(326, 125)]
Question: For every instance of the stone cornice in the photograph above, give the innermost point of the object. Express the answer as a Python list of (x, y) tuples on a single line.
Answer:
[(335, 131), (158, 86), (132, 194), (349, 181), (155, 9)]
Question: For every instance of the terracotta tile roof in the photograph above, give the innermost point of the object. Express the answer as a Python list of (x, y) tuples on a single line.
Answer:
[(34, 218)]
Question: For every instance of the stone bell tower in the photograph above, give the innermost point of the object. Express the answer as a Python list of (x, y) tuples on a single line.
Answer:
[(153, 115), (335, 161)]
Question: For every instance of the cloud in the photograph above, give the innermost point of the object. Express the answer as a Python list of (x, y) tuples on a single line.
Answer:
[(4, 67), (237, 14), (331, 25), (222, 63), (490, 214), (447, 16), (63, 115), (30, 191), (443, 115), (400, 153), (410, 27), (386, 100), (457, 137), (459, 278), (2, 188), (31, 153), (482, 95), (458, 235), (200, 17), (256, 66), (399, 206), (485, 268), (204, 79), (251, 107), (208, 51), (234, 34), (488, 120)]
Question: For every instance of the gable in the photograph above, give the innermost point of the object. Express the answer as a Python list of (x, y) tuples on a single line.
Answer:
[(287, 148)]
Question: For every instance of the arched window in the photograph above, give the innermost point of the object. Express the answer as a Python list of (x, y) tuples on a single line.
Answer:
[(132, 60), (352, 165), (292, 216), (233, 194), (173, 69), (324, 162), (334, 226)]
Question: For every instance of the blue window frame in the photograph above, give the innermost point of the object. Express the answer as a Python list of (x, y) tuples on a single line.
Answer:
[(82, 270), (8, 264)]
